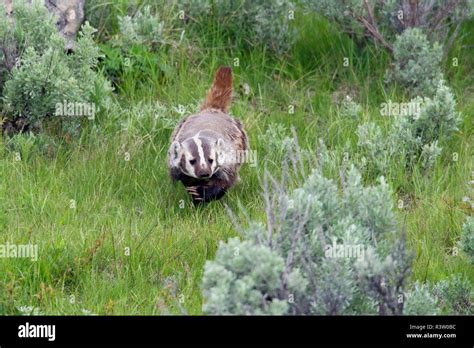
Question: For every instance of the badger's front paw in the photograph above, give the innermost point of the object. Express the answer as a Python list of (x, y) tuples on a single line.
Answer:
[(195, 193), (201, 194)]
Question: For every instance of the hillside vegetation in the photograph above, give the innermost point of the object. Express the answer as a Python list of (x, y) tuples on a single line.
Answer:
[(115, 236)]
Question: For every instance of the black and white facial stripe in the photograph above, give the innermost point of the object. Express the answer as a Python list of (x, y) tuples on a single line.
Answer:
[(197, 156)]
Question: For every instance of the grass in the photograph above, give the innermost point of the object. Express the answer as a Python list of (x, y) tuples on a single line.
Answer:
[(116, 237)]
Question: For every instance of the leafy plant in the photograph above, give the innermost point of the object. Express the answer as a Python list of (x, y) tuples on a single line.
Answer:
[(416, 63), (412, 138), (455, 295), (420, 301), (143, 28), (45, 75)]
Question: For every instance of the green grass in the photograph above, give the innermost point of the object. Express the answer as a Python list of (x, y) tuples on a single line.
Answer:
[(120, 204)]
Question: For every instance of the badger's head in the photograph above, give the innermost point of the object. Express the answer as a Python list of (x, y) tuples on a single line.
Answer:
[(197, 157)]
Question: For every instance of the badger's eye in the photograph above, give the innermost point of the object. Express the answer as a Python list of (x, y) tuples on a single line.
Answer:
[(210, 160), (192, 161)]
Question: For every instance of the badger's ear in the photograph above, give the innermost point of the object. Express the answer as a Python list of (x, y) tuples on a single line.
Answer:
[(220, 144), (220, 152), (175, 152)]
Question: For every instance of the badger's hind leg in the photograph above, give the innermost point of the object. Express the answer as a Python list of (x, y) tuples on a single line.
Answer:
[(205, 194)]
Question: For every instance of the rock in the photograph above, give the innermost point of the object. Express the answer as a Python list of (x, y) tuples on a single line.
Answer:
[(70, 14), (8, 6)]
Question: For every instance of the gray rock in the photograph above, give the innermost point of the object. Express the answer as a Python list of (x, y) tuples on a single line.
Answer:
[(8, 6)]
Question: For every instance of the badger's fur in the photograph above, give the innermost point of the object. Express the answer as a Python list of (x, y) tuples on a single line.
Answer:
[(207, 147)]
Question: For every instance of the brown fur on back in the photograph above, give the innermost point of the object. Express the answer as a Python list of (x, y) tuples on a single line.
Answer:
[(219, 95), (227, 127)]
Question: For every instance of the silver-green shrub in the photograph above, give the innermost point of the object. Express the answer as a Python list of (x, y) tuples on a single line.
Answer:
[(438, 117), (455, 295), (44, 75), (325, 249), (412, 138), (375, 146), (143, 27), (246, 281), (416, 63), (31, 26), (420, 301)]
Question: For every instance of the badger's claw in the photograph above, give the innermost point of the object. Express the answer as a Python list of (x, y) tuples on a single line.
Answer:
[(193, 191)]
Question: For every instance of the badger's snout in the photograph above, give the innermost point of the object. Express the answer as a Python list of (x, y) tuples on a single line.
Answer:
[(203, 173)]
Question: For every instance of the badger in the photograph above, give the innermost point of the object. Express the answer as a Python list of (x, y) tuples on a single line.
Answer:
[(207, 147)]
